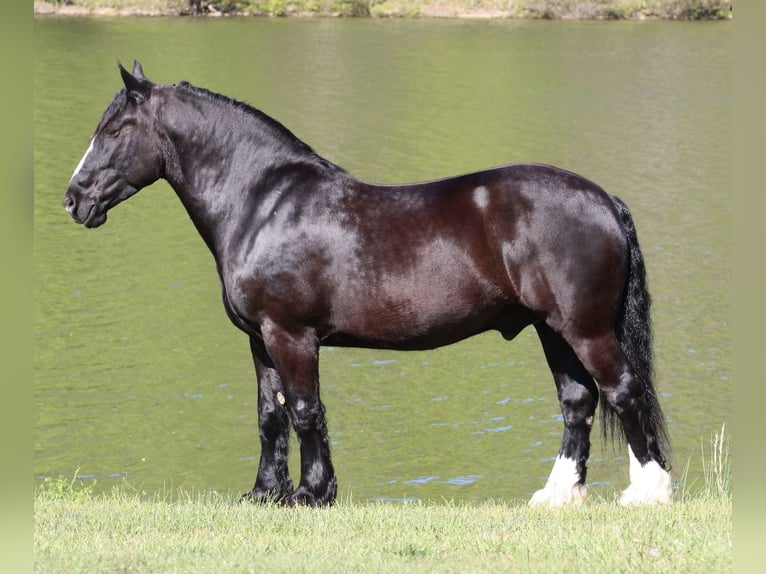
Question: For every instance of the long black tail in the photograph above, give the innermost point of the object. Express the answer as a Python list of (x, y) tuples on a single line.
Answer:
[(634, 332)]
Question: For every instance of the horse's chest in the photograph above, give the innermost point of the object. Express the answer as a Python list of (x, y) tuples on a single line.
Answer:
[(252, 295)]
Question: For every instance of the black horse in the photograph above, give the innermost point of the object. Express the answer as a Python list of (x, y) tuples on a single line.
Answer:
[(309, 255)]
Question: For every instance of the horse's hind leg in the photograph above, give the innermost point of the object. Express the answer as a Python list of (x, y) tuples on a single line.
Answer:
[(578, 396), (639, 416)]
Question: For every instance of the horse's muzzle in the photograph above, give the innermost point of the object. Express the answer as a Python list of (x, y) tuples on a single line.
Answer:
[(87, 213), (69, 204)]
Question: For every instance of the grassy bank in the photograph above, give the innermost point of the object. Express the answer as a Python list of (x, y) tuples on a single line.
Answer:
[(211, 533), (77, 531), (547, 9)]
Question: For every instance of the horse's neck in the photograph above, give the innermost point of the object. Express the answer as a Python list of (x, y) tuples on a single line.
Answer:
[(219, 172)]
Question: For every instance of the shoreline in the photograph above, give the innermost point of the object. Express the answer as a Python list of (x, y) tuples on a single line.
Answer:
[(425, 9)]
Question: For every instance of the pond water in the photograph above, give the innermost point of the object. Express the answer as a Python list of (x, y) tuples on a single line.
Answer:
[(140, 377)]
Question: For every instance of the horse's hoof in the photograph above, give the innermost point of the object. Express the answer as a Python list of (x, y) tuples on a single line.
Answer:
[(649, 484), (553, 497), (301, 497), (262, 497)]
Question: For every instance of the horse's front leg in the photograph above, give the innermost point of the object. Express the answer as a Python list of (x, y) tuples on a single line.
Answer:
[(273, 481), (296, 357), (578, 397)]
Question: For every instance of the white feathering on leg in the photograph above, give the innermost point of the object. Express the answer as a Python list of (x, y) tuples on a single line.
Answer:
[(649, 483), (563, 486)]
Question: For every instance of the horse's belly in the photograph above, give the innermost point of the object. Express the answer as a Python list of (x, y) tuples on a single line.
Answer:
[(428, 314), (405, 338)]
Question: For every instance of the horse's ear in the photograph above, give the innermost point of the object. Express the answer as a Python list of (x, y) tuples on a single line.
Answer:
[(138, 86), (138, 71)]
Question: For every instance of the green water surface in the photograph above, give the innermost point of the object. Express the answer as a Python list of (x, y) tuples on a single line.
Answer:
[(139, 375)]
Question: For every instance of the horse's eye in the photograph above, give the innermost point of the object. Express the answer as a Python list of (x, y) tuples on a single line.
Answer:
[(115, 133)]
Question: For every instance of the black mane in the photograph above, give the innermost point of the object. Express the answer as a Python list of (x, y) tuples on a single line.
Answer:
[(264, 119)]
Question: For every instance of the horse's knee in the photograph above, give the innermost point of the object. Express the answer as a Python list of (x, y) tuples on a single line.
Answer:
[(578, 405), (273, 421), (625, 395), (308, 416)]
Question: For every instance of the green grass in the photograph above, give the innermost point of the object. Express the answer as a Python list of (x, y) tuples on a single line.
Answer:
[(123, 531), (78, 531)]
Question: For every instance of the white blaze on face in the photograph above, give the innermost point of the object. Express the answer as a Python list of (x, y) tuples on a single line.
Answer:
[(82, 161)]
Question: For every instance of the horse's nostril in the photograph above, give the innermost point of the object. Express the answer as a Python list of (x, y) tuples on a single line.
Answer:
[(68, 203)]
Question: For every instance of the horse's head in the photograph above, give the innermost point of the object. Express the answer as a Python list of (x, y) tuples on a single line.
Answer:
[(124, 155)]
